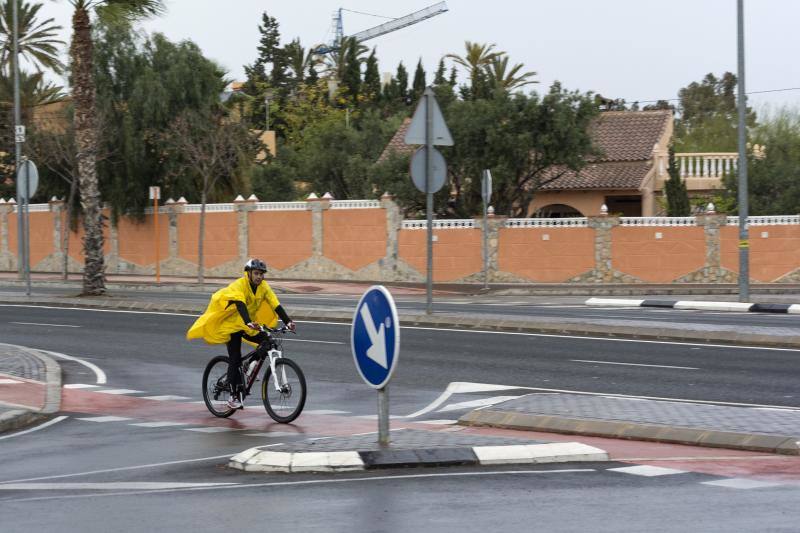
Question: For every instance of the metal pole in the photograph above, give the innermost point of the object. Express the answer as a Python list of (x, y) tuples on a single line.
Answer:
[(158, 239), (429, 196), (485, 244), (744, 244), (18, 145), (27, 226), (383, 416)]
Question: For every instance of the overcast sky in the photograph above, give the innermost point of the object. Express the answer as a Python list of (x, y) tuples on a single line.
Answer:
[(631, 49)]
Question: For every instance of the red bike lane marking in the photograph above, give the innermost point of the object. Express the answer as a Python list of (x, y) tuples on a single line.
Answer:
[(698, 459), (252, 418), (22, 392)]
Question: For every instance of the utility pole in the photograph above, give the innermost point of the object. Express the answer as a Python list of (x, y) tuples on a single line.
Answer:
[(19, 138), (744, 243)]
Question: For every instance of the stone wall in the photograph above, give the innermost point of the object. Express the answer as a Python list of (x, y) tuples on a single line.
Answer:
[(368, 241)]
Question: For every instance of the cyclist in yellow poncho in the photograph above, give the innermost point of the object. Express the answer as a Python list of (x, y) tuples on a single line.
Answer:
[(227, 319)]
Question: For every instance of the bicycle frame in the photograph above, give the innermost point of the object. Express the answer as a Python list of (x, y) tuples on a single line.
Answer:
[(273, 353)]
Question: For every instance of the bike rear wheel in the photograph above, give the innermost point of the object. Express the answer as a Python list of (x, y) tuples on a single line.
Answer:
[(284, 391), (215, 387)]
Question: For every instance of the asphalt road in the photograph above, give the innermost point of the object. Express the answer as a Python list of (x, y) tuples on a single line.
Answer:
[(147, 355)]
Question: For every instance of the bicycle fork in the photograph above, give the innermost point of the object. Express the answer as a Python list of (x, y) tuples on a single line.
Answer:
[(274, 355)]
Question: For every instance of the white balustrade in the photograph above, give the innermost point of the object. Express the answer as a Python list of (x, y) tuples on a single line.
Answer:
[(281, 206), (210, 208), (576, 222), (355, 204), (706, 165), (439, 224), (771, 220), (657, 221)]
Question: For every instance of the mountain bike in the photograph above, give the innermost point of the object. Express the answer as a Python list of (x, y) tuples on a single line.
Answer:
[(283, 385)]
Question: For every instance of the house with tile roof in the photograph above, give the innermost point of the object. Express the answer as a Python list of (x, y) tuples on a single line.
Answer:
[(627, 175)]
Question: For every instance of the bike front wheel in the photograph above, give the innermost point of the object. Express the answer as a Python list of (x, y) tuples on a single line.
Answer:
[(215, 387), (284, 391)]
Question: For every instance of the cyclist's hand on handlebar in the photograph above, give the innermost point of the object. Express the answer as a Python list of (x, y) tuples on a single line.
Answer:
[(254, 325), (291, 326)]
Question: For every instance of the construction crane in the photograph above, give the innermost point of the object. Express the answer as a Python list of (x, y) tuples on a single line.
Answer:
[(382, 29)]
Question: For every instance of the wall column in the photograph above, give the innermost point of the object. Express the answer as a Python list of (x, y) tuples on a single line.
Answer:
[(394, 223), (493, 225), (317, 206), (711, 224), (602, 225), (7, 259), (243, 208), (174, 211), (57, 207)]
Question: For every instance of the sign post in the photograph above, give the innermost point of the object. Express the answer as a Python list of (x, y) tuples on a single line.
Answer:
[(375, 343), (27, 183), (486, 194), (428, 128), (155, 195)]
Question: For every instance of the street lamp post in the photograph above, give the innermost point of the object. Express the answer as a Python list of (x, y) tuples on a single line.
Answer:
[(744, 244)]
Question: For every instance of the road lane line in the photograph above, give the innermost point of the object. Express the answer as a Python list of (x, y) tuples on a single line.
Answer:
[(318, 482), (79, 386), (633, 364), (483, 402), (166, 397), (647, 470), (37, 428), (111, 485), (741, 483), (118, 392), (101, 376), (39, 324), (102, 419), (121, 468)]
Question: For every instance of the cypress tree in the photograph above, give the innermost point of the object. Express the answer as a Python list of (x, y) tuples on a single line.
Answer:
[(402, 83), (372, 78), (419, 83), (439, 79), (351, 78), (675, 189)]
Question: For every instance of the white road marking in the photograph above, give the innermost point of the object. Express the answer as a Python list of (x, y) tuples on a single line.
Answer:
[(326, 412), (327, 482), (473, 331), (647, 471), (209, 430), (621, 396), (158, 424), (79, 386), (118, 391), (4, 381), (101, 376), (438, 422), (37, 428), (104, 418), (39, 324), (458, 387), (741, 483), (121, 469), (632, 364), (167, 397), (483, 402), (113, 485)]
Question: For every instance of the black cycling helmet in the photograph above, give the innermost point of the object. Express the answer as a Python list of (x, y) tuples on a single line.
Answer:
[(255, 264)]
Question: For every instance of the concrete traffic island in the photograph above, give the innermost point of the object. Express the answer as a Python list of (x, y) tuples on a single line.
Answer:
[(409, 448), (763, 429)]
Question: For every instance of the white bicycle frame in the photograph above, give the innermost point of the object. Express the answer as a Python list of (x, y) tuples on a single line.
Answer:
[(274, 355)]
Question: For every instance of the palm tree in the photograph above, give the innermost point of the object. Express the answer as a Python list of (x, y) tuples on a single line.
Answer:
[(80, 52), (500, 77), (36, 42), (477, 57), (300, 60), (336, 62)]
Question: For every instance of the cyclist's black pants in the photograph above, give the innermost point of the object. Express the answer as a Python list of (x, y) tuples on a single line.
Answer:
[(234, 346)]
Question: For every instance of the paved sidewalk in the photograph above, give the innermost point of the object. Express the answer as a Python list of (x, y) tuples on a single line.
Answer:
[(30, 386), (763, 429)]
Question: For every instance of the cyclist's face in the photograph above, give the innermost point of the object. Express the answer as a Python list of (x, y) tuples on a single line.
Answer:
[(256, 276)]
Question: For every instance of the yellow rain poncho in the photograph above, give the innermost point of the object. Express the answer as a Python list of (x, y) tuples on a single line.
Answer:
[(221, 318)]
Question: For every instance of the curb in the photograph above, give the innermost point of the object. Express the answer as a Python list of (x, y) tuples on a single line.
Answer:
[(736, 307), (257, 460), (780, 444), (734, 337), (19, 418)]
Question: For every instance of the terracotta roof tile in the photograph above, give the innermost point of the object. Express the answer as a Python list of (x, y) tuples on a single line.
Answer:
[(397, 144), (599, 175), (628, 135)]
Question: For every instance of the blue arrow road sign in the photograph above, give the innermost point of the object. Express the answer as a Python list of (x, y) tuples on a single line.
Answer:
[(375, 336)]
